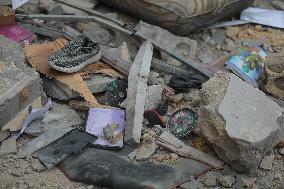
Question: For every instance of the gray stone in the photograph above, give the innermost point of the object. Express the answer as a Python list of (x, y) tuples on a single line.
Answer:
[(36, 165), (207, 57), (227, 181), (281, 151), (17, 172), (244, 181), (8, 146), (210, 179), (99, 34), (58, 115), (20, 84), (229, 45), (266, 162), (146, 151), (193, 97), (154, 97), (59, 10), (4, 135), (192, 184), (176, 98), (240, 126), (219, 36), (96, 84)]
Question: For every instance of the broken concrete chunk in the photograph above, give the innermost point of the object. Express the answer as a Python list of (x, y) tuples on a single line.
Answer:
[(239, 121), (36, 165), (266, 162), (136, 94), (20, 85), (58, 115), (227, 181), (148, 147), (4, 135), (154, 97), (192, 184), (146, 151), (8, 146), (181, 46)]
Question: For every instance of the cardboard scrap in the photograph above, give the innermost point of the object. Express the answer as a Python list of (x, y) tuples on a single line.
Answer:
[(38, 55)]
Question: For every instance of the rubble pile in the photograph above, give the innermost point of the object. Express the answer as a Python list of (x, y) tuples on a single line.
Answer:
[(162, 94)]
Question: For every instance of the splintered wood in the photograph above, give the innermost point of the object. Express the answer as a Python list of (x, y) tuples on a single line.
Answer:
[(136, 93)]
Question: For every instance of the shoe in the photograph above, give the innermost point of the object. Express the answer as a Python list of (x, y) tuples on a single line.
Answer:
[(77, 54)]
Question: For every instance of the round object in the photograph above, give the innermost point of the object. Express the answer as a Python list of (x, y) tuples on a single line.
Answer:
[(182, 122)]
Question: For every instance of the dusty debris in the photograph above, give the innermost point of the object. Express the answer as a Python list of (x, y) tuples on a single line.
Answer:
[(4, 135), (43, 140), (36, 165), (242, 130), (136, 94), (154, 97), (171, 143), (8, 146), (57, 116), (168, 158), (274, 75), (227, 181), (148, 147), (19, 79), (178, 68), (267, 161)]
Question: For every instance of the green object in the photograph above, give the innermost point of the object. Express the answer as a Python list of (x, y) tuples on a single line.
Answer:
[(182, 122)]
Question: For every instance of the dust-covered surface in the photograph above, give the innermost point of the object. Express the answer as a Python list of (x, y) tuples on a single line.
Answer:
[(212, 44)]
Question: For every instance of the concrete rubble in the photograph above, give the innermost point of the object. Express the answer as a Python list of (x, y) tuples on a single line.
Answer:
[(20, 85), (234, 131), (58, 115), (136, 94), (241, 127)]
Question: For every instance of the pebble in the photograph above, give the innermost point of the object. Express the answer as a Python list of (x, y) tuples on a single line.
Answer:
[(244, 181), (232, 32), (36, 165), (16, 172), (281, 151), (267, 161), (23, 186), (210, 179), (192, 184), (227, 181)]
